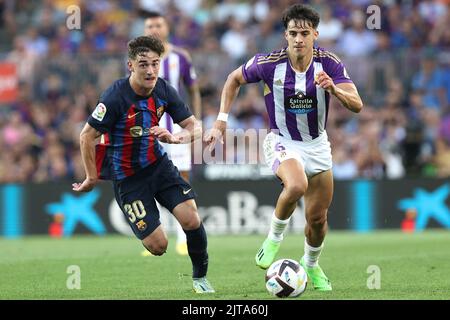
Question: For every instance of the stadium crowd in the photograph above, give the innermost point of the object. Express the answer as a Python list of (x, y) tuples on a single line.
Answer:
[(401, 70)]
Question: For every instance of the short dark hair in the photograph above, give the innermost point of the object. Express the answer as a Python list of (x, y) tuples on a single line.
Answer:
[(153, 14), (301, 12), (144, 44)]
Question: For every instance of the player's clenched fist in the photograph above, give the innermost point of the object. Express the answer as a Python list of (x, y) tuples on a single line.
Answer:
[(324, 81)]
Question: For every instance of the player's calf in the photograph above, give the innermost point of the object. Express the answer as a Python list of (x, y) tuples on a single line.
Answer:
[(197, 248)]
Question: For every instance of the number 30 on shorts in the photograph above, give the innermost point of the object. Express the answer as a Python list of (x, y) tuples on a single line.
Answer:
[(135, 210)]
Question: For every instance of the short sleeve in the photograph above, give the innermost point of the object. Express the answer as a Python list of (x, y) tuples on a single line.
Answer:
[(105, 114), (334, 67), (176, 108), (252, 71), (337, 71)]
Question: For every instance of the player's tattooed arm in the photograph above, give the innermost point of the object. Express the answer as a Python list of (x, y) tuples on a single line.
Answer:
[(87, 146), (346, 93)]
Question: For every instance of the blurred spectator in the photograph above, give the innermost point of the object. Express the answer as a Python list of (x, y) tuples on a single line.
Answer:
[(36, 43), (440, 34), (402, 73), (265, 37), (344, 166), (24, 59), (369, 159), (442, 158), (390, 149), (250, 109), (154, 5), (15, 132), (234, 41), (431, 10), (357, 40), (188, 7), (431, 80), (330, 28), (233, 10)]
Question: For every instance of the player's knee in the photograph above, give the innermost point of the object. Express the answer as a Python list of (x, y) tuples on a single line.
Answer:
[(296, 190), (159, 251), (157, 248), (192, 220)]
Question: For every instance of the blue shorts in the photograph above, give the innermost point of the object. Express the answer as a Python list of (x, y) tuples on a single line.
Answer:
[(136, 195)]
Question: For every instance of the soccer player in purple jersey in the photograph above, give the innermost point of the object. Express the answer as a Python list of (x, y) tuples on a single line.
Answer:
[(126, 118), (177, 69), (298, 81)]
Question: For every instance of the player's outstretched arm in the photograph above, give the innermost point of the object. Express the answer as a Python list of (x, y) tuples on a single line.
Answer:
[(345, 92), (230, 90), (87, 146)]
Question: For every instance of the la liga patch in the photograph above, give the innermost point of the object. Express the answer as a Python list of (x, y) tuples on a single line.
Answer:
[(99, 112)]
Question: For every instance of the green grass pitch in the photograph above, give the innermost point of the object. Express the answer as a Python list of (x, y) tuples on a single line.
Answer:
[(413, 266)]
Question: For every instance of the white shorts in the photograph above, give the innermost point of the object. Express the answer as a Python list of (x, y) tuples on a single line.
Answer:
[(315, 155), (180, 154)]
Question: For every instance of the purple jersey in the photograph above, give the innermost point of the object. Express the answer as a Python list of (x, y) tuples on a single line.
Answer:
[(176, 68), (296, 106)]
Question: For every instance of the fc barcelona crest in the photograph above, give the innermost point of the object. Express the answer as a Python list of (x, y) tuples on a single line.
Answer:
[(141, 225)]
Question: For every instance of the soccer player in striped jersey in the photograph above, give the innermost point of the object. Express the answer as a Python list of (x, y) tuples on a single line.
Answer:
[(298, 82), (177, 69), (130, 154)]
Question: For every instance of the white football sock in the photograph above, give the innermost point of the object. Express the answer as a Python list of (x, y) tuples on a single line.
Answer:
[(312, 254), (181, 236), (277, 228)]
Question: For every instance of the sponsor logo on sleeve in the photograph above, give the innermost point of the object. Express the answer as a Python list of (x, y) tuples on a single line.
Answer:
[(99, 112)]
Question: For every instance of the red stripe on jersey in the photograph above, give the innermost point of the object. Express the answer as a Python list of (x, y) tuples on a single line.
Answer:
[(127, 149), (106, 138), (100, 152), (151, 156)]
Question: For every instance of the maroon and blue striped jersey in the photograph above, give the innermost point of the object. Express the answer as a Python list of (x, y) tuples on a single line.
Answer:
[(125, 119)]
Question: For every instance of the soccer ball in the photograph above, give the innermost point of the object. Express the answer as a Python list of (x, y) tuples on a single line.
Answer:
[(286, 278)]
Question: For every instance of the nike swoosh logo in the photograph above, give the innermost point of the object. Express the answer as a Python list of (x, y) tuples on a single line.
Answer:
[(186, 191), (133, 115)]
